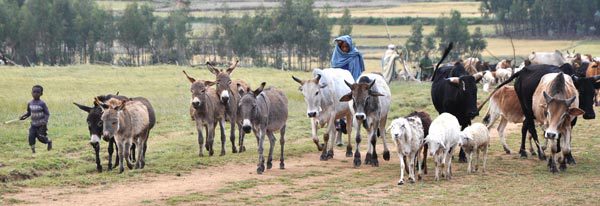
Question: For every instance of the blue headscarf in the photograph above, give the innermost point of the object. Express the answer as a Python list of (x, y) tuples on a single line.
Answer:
[(351, 61)]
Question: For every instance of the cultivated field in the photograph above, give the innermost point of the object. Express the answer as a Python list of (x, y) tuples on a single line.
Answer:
[(416, 9), (175, 175)]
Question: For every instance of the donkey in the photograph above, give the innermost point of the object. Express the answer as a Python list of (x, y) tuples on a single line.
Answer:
[(129, 121), (95, 128), (264, 112), (207, 111), (229, 97)]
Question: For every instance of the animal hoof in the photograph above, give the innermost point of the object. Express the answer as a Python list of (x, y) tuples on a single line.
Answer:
[(260, 169), (339, 144), (357, 162), (523, 154), (99, 168), (507, 151), (563, 167), (368, 159), (234, 150), (462, 160), (542, 156), (330, 154), (110, 167), (411, 180), (323, 157), (375, 162), (386, 155), (242, 148), (222, 153), (200, 155), (269, 165), (569, 159), (401, 182), (348, 153), (130, 166), (121, 170), (419, 177), (210, 153), (321, 147), (281, 166)]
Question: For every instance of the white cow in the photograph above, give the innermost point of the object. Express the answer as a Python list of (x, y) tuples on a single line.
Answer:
[(551, 58), (322, 94)]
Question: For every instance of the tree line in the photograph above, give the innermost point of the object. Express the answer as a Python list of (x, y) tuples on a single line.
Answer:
[(61, 32), (544, 18)]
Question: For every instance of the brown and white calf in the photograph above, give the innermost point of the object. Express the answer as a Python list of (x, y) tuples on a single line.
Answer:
[(555, 105), (207, 111), (504, 105), (265, 111), (371, 99), (129, 122), (227, 90)]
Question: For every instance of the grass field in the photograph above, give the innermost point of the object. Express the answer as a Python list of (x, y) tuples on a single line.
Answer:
[(402, 30), (416, 9), (172, 150)]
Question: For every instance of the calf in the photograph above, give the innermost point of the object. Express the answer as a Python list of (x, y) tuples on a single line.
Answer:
[(207, 111), (554, 105), (371, 98), (443, 137), (265, 111), (475, 138), (321, 95), (593, 71), (229, 97), (407, 133), (129, 122)]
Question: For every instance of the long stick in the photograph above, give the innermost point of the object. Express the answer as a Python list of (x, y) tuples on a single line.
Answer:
[(11, 121)]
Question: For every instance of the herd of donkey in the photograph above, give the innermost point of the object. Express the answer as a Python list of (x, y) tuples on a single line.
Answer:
[(544, 94)]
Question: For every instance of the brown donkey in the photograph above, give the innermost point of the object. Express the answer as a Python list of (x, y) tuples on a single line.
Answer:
[(129, 122), (264, 112), (229, 97), (207, 111)]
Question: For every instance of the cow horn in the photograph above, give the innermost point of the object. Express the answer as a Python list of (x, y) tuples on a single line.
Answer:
[(596, 78), (575, 77), (371, 84), (297, 80), (318, 78), (348, 84), (570, 101), (547, 97), (453, 80)]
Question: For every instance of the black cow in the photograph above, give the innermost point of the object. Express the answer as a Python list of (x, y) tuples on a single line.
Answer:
[(95, 128), (527, 81), (455, 91)]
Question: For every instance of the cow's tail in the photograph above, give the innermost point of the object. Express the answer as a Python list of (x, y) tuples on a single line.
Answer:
[(510, 79), (446, 52)]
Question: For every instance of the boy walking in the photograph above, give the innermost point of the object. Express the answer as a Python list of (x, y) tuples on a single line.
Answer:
[(38, 111)]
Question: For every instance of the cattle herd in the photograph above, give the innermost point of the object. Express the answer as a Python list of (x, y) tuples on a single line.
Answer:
[(550, 91)]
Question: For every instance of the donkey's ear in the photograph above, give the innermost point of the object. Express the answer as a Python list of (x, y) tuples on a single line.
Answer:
[(100, 103), (209, 83), (232, 67), (346, 97), (83, 107), (260, 89), (192, 80), (212, 68), (122, 105)]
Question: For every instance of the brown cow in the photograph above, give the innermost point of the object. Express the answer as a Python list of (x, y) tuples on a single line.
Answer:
[(207, 111), (593, 71), (504, 104), (555, 106), (229, 97)]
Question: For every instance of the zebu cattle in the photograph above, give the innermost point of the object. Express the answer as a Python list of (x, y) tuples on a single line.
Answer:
[(504, 64), (455, 92), (322, 94), (265, 111), (591, 72), (129, 121), (207, 111), (95, 126), (227, 90), (371, 99), (550, 58), (444, 135), (525, 86), (471, 65), (554, 105)]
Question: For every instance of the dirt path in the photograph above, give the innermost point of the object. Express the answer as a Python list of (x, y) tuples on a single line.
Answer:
[(307, 172), (159, 188)]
